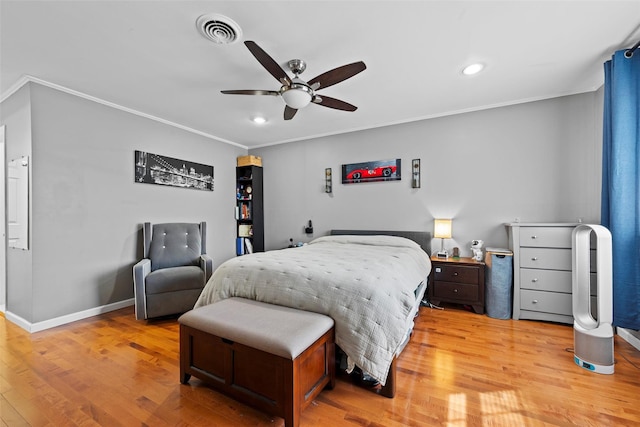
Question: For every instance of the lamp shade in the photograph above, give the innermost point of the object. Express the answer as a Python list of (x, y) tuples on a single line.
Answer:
[(442, 228)]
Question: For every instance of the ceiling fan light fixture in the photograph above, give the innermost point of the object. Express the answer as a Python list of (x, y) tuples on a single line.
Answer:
[(297, 95), (295, 92), (472, 69)]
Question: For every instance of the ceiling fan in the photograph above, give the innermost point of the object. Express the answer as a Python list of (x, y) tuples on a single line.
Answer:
[(295, 92)]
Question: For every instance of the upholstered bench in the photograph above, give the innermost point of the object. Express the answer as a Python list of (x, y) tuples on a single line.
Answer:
[(275, 359)]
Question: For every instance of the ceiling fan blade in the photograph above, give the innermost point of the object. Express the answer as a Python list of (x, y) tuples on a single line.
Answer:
[(251, 92), (268, 63), (326, 101), (289, 112), (337, 75)]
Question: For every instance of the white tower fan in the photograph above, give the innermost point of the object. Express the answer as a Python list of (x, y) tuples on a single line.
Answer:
[(592, 338)]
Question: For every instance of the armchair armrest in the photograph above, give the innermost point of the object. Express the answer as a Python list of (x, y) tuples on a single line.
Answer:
[(140, 270), (206, 264)]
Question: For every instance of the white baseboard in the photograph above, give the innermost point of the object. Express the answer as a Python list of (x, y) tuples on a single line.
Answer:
[(629, 337), (68, 318)]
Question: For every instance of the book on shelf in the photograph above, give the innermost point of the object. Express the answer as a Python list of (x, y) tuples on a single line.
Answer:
[(244, 246), (248, 246)]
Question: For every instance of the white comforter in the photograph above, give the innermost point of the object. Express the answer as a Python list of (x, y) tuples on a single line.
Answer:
[(365, 283)]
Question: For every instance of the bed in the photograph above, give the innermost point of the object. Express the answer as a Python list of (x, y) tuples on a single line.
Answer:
[(370, 282)]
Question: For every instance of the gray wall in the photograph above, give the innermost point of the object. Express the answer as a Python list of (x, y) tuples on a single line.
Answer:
[(86, 209), (539, 161), (16, 115)]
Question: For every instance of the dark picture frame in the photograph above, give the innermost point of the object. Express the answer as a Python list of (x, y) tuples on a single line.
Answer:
[(328, 186), (374, 171), (415, 173), (162, 170)]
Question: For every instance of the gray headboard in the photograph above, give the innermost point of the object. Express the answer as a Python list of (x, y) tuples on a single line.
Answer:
[(423, 238)]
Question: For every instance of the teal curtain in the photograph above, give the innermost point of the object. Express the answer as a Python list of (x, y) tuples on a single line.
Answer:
[(621, 182)]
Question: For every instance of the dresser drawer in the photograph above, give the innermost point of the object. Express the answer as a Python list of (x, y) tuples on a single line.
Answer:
[(545, 280), (547, 302), (551, 259), (545, 258), (551, 280), (457, 273), (546, 237), (455, 291)]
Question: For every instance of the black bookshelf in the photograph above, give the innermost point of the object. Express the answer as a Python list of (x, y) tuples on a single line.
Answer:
[(249, 210)]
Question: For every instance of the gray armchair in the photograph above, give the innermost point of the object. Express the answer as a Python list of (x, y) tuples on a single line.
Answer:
[(174, 270)]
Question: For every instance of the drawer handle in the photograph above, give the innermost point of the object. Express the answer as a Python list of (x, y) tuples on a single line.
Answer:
[(534, 280), (455, 291), (534, 237), (455, 274), (535, 258), (535, 301)]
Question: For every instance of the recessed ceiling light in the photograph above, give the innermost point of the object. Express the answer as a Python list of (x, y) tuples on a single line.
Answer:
[(472, 69), (259, 120)]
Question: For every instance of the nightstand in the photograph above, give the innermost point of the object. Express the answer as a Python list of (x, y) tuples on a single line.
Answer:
[(457, 280)]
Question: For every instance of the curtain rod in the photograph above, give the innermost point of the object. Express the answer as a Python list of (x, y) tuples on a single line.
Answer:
[(629, 52)]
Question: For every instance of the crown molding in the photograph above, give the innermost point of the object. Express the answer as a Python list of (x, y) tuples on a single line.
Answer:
[(31, 79)]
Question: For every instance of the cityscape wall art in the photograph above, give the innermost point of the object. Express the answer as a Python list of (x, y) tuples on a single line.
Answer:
[(162, 170)]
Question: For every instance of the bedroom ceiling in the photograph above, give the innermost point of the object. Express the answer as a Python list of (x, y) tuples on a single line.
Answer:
[(149, 57)]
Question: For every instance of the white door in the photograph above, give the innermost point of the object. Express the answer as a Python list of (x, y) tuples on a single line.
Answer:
[(3, 227)]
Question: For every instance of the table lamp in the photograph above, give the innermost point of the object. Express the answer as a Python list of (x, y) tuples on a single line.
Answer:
[(442, 230)]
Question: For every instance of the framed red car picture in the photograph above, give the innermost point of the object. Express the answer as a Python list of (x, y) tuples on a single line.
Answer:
[(380, 170)]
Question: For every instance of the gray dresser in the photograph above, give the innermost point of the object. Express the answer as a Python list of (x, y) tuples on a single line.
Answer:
[(542, 270)]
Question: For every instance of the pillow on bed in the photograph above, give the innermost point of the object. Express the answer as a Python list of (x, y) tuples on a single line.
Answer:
[(377, 240)]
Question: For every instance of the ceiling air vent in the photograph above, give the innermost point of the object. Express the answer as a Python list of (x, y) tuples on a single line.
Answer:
[(219, 28)]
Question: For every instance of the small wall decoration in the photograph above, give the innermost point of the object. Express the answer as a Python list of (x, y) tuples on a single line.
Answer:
[(381, 170), (415, 173), (156, 169), (328, 186)]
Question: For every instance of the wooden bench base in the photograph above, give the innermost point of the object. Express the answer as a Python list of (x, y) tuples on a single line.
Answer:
[(274, 384)]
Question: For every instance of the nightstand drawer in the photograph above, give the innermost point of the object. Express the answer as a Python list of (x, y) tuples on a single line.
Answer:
[(547, 302), (456, 291), (457, 273)]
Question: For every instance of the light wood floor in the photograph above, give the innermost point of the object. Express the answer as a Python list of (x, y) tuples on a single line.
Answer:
[(460, 369)]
